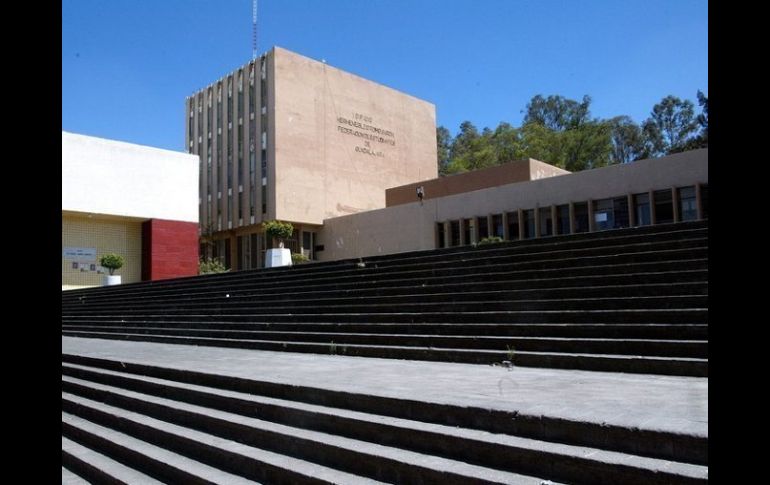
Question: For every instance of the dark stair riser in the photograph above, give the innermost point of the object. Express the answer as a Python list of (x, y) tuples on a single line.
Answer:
[(575, 330), (428, 295), (689, 316), (619, 347)]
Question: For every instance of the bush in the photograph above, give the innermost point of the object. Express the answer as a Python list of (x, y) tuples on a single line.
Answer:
[(208, 266), (278, 230), (298, 258), (112, 261), (491, 240)]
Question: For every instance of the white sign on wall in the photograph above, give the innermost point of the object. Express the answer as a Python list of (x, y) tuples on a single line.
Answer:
[(80, 254)]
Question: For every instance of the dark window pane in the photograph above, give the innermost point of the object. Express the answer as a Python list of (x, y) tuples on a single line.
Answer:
[(664, 209)]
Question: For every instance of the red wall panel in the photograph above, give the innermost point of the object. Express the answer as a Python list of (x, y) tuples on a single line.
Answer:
[(169, 249)]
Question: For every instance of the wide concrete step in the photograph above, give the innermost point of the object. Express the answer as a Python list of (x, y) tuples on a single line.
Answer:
[(411, 306), (90, 466), (679, 366), (159, 463), (610, 259), (659, 331), (399, 296), (649, 347), (166, 421), (674, 316), (412, 403), (498, 451)]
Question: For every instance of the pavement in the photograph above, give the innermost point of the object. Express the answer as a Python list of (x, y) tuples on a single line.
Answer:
[(651, 402)]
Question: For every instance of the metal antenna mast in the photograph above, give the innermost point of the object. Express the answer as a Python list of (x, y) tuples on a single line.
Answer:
[(254, 30)]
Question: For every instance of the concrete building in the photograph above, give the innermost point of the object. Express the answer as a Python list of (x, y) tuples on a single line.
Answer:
[(137, 201), (286, 137), (521, 200), (342, 158)]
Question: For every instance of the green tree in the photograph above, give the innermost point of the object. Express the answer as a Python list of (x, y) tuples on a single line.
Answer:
[(506, 143), (671, 124), (557, 112), (443, 148), (627, 140), (561, 132)]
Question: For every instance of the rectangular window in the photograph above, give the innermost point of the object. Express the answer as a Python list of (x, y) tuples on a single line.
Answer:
[(603, 215), (581, 217), (228, 259), (664, 209), (239, 257), (546, 228), (513, 226), (620, 212), (483, 228), (642, 209), (497, 225), (254, 251), (454, 228), (562, 218), (440, 234), (688, 210), (468, 229), (529, 224)]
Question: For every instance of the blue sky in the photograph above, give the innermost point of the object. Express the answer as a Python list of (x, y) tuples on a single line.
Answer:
[(127, 65)]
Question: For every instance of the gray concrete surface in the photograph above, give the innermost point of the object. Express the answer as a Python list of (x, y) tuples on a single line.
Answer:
[(661, 403)]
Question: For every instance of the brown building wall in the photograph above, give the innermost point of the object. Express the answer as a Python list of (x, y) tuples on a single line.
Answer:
[(516, 171)]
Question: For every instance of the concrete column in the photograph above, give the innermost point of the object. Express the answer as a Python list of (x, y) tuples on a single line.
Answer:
[(698, 202), (631, 211), (572, 218), (506, 232), (521, 223), (591, 222), (554, 222), (463, 242), (536, 213), (653, 217), (675, 203)]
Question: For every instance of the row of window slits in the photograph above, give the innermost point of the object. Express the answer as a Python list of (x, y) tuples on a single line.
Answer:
[(217, 164), (611, 213)]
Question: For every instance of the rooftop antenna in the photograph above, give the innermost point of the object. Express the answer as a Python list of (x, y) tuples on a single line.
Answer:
[(254, 29)]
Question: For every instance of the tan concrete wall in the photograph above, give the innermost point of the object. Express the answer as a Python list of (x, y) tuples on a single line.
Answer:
[(322, 169), (516, 171), (107, 235), (410, 227)]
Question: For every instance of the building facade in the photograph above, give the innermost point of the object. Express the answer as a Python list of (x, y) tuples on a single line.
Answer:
[(137, 201), (465, 208), (289, 138)]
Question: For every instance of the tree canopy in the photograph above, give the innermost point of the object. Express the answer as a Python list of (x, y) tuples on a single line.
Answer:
[(562, 132)]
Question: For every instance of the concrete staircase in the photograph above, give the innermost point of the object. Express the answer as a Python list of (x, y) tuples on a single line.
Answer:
[(144, 402), (140, 423), (630, 300)]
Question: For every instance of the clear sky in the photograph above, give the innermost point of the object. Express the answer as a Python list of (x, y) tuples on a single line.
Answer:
[(127, 65)]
